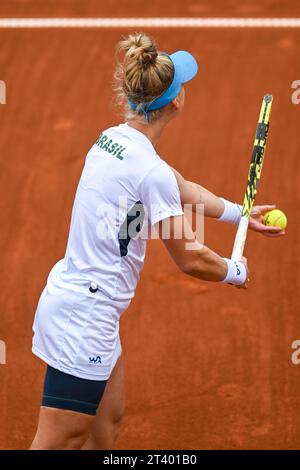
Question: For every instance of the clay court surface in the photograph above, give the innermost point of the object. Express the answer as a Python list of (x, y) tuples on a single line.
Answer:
[(207, 366)]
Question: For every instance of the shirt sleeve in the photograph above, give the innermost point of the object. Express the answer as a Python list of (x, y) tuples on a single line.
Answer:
[(159, 194)]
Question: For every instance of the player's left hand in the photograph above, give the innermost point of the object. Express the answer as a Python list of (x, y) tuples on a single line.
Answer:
[(256, 222)]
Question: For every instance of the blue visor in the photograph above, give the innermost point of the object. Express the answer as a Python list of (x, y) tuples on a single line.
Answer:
[(185, 68)]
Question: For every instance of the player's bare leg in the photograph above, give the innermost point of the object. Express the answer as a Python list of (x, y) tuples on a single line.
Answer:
[(106, 425), (61, 429)]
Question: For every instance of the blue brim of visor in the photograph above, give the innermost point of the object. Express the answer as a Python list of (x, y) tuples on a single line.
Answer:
[(185, 69)]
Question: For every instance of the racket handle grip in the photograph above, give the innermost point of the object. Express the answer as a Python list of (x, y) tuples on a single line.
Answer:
[(240, 239)]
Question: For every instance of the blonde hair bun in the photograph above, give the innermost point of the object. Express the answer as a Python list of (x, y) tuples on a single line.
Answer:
[(139, 47), (144, 74)]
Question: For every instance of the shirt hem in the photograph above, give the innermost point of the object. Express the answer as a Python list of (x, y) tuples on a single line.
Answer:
[(166, 214), (73, 371)]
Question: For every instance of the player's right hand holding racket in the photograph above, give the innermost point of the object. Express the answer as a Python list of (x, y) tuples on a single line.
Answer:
[(245, 285)]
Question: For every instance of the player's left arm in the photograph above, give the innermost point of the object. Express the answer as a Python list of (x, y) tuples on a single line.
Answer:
[(214, 206)]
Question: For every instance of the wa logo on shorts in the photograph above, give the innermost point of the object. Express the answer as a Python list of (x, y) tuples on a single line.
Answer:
[(95, 360)]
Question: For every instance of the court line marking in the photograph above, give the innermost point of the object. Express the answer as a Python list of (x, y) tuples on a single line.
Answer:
[(150, 22)]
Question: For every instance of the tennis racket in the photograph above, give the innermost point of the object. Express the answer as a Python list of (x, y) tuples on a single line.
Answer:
[(253, 176)]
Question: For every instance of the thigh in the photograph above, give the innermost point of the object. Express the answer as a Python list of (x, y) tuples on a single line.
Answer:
[(112, 406), (60, 429), (69, 406)]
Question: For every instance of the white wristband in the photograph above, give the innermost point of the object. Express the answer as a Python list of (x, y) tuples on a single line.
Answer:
[(232, 212), (236, 272)]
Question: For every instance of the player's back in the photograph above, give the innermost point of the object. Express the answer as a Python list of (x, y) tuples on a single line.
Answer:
[(107, 198)]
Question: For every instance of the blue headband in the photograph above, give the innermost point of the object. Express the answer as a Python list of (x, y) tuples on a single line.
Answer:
[(185, 68)]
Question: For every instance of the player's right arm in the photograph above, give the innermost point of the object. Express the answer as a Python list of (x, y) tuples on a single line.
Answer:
[(200, 262), (159, 193)]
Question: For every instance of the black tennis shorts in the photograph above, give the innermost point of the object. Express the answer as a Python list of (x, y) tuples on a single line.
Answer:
[(67, 392)]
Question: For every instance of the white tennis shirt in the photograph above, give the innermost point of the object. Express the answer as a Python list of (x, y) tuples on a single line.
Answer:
[(124, 183)]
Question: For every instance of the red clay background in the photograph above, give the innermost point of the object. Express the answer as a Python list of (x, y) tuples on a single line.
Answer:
[(207, 366)]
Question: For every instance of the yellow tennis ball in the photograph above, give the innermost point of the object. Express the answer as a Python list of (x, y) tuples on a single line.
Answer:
[(275, 218)]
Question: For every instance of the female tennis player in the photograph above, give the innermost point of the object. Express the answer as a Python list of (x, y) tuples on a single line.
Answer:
[(125, 189)]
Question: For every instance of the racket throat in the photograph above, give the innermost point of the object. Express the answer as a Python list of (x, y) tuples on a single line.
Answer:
[(240, 238)]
